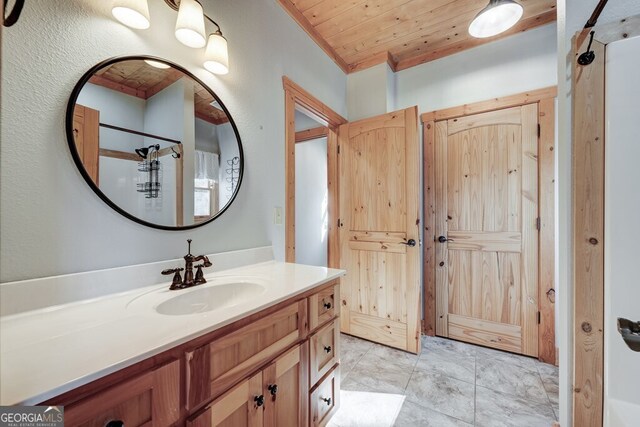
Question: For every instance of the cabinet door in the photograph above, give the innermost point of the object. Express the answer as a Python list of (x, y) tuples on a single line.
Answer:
[(285, 387), (150, 400), (242, 406)]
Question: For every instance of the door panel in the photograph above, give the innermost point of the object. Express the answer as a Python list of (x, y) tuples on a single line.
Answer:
[(379, 215), (281, 388), (486, 211)]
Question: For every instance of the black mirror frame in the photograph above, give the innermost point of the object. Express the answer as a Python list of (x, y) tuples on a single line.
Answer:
[(78, 161)]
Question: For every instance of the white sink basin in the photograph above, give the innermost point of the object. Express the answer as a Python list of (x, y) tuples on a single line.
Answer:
[(201, 300)]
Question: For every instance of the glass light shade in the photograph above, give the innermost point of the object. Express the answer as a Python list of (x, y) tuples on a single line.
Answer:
[(132, 13), (496, 18), (216, 57), (157, 64), (190, 24)]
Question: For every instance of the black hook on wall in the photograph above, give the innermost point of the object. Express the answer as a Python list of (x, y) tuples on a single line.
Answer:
[(12, 17), (587, 57)]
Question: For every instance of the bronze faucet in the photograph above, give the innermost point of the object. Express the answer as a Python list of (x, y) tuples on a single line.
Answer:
[(189, 280)]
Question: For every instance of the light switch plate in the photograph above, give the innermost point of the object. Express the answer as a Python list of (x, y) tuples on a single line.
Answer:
[(277, 215)]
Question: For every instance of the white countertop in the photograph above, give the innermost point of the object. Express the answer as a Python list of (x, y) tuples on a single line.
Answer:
[(47, 352)]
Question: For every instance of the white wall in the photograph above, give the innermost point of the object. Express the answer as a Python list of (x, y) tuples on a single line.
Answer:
[(118, 178), (368, 91), (311, 202), (572, 16), (622, 230), (512, 65), (49, 214), (304, 122), (116, 108), (206, 137), (165, 116)]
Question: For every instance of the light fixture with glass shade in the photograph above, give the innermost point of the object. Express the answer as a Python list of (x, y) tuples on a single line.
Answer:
[(190, 29), (496, 18), (190, 24), (132, 13), (216, 57)]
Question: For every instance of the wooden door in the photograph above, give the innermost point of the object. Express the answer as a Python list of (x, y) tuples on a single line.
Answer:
[(379, 229), (242, 406), (486, 189), (285, 388), (86, 131)]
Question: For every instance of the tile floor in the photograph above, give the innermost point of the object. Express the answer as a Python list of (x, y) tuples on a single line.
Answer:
[(449, 384)]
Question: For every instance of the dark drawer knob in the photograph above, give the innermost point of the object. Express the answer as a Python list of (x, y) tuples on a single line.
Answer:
[(327, 400), (327, 305), (442, 239), (114, 423), (273, 389), (259, 400), (327, 349)]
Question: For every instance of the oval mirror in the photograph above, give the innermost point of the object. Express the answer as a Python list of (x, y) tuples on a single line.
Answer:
[(154, 142)]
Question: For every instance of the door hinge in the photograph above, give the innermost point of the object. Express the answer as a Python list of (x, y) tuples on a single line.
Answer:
[(538, 318), (538, 223), (338, 224), (539, 131), (338, 149)]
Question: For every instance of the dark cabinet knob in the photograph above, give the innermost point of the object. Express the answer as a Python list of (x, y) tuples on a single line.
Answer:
[(273, 389), (259, 400), (114, 423), (442, 239), (327, 400), (327, 349), (411, 243), (327, 305)]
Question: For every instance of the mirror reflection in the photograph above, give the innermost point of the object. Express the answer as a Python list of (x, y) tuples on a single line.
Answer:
[(156, 143)]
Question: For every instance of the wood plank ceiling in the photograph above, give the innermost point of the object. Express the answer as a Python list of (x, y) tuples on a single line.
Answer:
[(137, 78), (359, 34)]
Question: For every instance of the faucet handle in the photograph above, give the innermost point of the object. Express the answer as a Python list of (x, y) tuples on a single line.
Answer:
[(171, 271), (199, 279), (176, 283)]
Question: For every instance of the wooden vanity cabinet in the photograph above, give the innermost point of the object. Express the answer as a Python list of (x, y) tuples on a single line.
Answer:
[(275, 368)]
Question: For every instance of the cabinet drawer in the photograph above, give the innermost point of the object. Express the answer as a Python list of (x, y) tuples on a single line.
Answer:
[(151, 399), (322, 306), (324, 350), (325, 399), (215, 367)]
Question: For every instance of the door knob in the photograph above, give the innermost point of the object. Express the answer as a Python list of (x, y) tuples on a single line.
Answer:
[(442, 239), (410, 243)]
